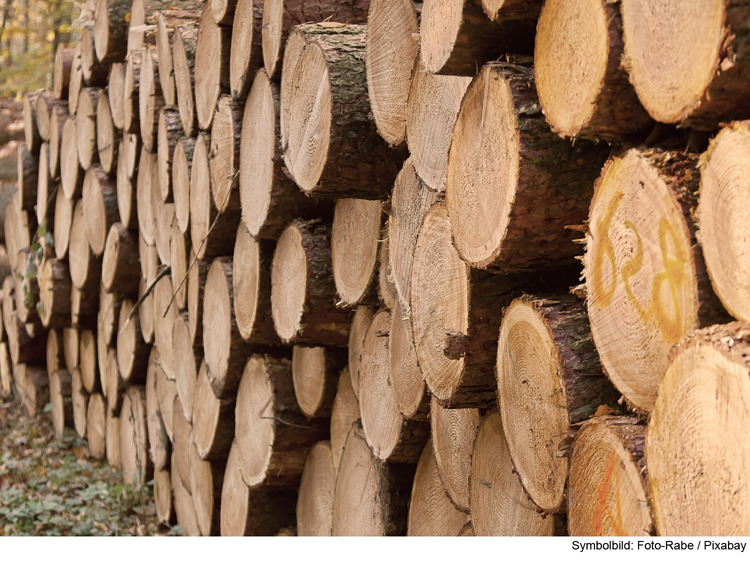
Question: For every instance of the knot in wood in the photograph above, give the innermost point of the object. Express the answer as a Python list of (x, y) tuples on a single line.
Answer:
[(454, 344)]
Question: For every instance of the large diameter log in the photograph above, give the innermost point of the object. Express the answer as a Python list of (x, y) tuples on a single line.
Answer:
[(608, 486), (269, 198), (183, 59), (132, 350), (583, 89), (206, 479), (32, 385), (431, 512), (272, 435), (280, 16), (213, 420), (96, 426), (694, 434), (407, 380), (722, 195), (88, 361), (182, 162), (371, 496), (85, 270), (183, 503), (27, 179), (493, 179), (344, 413), (360, 324), (355, 238), (121, 268), (30, 128), (391, 437), (116, 94), (62, 70), (150, 99), (80, 398), (333, 147), (99, 208), (433, 106), (315, 372), (169, 131), (136, 468), (88, 102), (246, 53), (456, 37), (226, 132), (391, 51), (60, 396), (679, 79), (163, 497), (252, 511), (645, 277), (114, 456), (63, 223), (212, 55), (315, 501), (186, 361), (58, 117), (159, 447), (549, 377), (54, 293), (499, 504), (107, 136), (302, 290)]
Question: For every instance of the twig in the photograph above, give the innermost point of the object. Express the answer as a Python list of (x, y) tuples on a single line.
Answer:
[(163, 273)]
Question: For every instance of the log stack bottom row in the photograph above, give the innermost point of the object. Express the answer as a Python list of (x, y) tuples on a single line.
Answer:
[(394, 275)]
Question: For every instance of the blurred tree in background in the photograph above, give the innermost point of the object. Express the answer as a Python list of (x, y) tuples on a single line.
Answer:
[(30, 31)]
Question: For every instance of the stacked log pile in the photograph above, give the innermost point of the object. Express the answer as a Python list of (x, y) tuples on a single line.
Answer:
[(316, 267)]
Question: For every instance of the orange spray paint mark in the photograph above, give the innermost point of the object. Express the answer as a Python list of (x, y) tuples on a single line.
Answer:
[(603, 511), (605, 249)]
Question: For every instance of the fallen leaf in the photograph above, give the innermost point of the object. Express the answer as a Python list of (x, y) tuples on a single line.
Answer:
[(79, 452)]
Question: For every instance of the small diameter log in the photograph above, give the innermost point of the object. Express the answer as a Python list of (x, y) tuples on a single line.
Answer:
[(213, 420), (183, 59), (43, 211), (206, 480), (246, 53), (251, 285), (147, 184), (591, 100), (224, 154), (96, 426), (132, 350), (6, 373), (181, 440), (499, 504), (85, 270), (224, 11), (131, 99), (112, 440), (391, 51), (695, 450), (30, 127), (71, 348), (453, 434), (269, 198), (136, 467), (109, 311), (116, 94), (107, 136), (150, 99), (163, 497), (88, 102), (637, 314), (32, 385), (58, 117), (93, 71), (272, 435), (344, 413), (433, 106), (182, 162), (76, 80), (179, 251), (63, 223), (521, 164), (386, 288), (115, 386), (406, 378), (183, 504), (212, 55), (678, 79), (121, 268), (456, 38), (186, 360), (159, 447), (302, 289), (62, 70), (391, 437), (315, 501), (89, 362), (60, 396), (208, 239), (84, 307), (333, 147), (127, 202), (164, 56), (549, 377), (146, 312), (371, 496), (315, 372), (431, 512), (360, 324), (46, 104), (252, 511), (355, 238), (167, 392), (279, 17), (99, 208), (607, 488), (80, 398), (27, 179), (54, 293), (169, 131), (163, 319), (164, 224), (196, 287)]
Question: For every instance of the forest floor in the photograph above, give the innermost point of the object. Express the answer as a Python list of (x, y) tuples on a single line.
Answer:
[(53, 487)]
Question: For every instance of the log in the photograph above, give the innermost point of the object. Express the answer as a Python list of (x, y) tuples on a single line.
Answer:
[(360, 324), (522, 163), (141, 13), (71, 348), (63, 223), (107, 137), (163, 497), (252, 511), (32, 385), (213, 420), (27, 179), (115, 386), (86, 119), (315, 373), (704, 389), (89, 362), (167, 391), (391, 437), (705, 82), (280, 16), (60, 396), (355, 238), (183, 504), (76, 80), (212, 55), (333, 148), (658, 305), (93, 71), (608, 486), (30, 128), (121, 268), (132, 349), (150, 99), (99, 208), (62, 70), (293, 50), (224, 154), (302, 290), (406, 378), (269, 198), (169, 131), (549, 378), (196, 287), (386, 288), (164, 56), (159, 447), (58, 117), (83, 307), (186, 360), (246, 53), (23, 348), (71, 174), (499, 504), (45, 214), (163, 323), (183, 59), (181, 440), (6, 373), (454, 432), (272, 435), (164, 225), (112, 440), (182, 162), (206, 480), (116, 94), (131, 109), (179, 249), (54, 293), (457, 38), (136, 468), (27, 289), (80, 398), (344, 413), (592, 101), (223, 11), (146, 312), (46, 105), (126, 193), (315, 501), (109, 311), (146, 184), (370, 498), (431, 512), (96, 426)]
